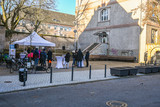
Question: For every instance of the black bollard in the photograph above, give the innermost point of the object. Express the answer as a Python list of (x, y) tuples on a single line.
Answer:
[(24, 77), (105, 71), (72, 73), (90, 72), (51, 75)]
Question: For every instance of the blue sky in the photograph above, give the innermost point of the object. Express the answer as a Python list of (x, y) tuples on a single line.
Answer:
[(66, 6)]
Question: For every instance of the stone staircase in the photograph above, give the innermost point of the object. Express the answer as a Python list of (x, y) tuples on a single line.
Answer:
[(90, 47)]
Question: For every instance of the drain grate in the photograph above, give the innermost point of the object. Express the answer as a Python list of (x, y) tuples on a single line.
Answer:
[(7, 81), (116, 104)]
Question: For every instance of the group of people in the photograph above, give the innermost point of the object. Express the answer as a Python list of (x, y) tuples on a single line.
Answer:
[(39, 56), (78, 58)]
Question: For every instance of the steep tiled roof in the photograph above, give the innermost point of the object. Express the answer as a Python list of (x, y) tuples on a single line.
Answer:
[(56, 17), (60, 18)]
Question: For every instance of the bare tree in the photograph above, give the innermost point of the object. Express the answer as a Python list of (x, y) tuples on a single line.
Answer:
[(39, 13), (14, 11), (151, 8), (81, 15)]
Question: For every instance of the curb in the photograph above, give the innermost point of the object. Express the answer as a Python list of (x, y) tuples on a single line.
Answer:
[(76, 83)]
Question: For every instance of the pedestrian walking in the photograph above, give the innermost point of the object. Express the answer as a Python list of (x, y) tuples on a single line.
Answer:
[(79, 58), (87, 58), (67, 59)]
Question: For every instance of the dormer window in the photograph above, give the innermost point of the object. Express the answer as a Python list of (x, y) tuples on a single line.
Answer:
[(104, 15)]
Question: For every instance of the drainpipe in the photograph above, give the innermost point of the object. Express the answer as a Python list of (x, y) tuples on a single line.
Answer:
[(140, 31)]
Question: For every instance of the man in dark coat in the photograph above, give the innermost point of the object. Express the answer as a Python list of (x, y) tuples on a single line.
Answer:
[(49, 55), (79, 58), (87, 58), (67, 58), (43, 57)]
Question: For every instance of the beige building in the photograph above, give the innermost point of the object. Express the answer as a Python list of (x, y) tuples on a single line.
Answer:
[(110, 27), (58, 24), (57, 27)]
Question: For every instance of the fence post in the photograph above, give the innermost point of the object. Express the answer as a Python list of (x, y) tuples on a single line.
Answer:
[(51, 75), (90, 72), (105, 71), (72, 73)]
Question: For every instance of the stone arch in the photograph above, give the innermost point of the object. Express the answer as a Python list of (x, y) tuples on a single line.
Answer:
[(154, 49), (153, 54)]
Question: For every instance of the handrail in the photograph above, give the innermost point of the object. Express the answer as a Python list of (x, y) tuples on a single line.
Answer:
[(89, 47), (95, 47)]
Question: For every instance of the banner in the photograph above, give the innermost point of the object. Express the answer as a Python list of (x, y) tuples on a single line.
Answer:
[(12, 51)]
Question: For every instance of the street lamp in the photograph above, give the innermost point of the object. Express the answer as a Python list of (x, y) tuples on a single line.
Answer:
[(75, 38)]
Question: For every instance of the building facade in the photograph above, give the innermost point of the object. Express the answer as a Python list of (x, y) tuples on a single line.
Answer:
[(113, 28), (57, 25)]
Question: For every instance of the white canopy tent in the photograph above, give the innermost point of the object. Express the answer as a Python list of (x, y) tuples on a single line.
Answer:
[(34, 40)]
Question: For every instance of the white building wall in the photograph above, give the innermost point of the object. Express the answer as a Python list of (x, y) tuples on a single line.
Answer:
[(123, 27)]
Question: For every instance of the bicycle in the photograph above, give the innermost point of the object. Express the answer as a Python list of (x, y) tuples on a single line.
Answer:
[(49, 66), (3, 58), (13, 64)]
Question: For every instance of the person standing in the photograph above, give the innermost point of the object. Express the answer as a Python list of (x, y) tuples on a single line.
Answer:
[(74, 58), (36, 56), (87, 58), (43, 57), (49, 57), (67, 58), (79, 58)]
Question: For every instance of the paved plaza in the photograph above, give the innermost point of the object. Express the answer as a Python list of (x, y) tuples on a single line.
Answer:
[(10, 82)]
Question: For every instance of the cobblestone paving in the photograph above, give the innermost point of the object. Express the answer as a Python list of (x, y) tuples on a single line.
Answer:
[(10, 82), (94, 64)]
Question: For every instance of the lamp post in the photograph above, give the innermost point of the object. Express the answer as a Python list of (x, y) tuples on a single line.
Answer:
[(75, 38)]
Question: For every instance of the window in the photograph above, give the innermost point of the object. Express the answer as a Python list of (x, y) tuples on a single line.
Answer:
[(18, 30), (49, 26), (153, 36), (23, 24), (23, 30), (104, 15), (61, 28), (65, 29), (69, 29), (55, 27)]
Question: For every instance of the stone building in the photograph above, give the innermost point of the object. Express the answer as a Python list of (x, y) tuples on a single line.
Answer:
[(112, 28), (58, 28)]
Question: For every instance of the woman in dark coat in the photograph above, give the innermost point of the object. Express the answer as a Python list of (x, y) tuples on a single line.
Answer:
[(79, 58)]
